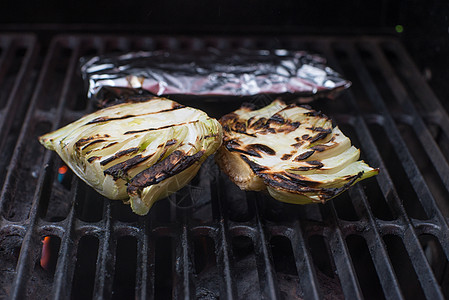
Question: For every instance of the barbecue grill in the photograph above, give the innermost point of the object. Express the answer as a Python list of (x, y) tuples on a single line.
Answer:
[(387, 237)]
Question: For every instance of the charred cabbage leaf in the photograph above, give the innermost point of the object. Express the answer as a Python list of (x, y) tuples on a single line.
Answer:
[(137, 152), (293, 152)]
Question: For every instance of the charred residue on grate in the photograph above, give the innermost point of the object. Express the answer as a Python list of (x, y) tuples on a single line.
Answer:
[(327, 276), (16, 196), (10, 245), (44, 264), (17, 62), (245, 275)]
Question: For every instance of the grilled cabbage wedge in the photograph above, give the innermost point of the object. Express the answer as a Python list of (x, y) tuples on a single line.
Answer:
[(137, 152), (293, 152)]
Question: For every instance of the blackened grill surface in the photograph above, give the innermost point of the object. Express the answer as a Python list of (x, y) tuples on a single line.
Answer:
[(387, 237)]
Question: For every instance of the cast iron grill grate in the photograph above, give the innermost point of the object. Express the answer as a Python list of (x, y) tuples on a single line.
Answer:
[(386, 238)]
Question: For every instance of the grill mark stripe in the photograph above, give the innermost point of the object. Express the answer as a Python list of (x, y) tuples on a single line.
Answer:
[(121, 169), (170, 142), (106, 119), (319, 148), (92, 143), (247, 151), (173, 164), (277, 118), (319, 136), (320, 129), (162, 127), (82, 141), (315, 163), (286, 156), (91, 159), (107, 146), (260, 147), (304, 155), (254, 166), (210, 136), (118, 155)]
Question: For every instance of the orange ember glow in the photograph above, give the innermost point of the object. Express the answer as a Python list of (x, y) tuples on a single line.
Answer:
[(62, 170), (45, 257)]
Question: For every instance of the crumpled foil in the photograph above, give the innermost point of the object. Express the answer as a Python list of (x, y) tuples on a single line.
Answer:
[(212, 73)]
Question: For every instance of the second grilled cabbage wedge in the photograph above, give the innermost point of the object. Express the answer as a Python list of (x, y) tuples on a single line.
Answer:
[(137, 152), (293, 152)]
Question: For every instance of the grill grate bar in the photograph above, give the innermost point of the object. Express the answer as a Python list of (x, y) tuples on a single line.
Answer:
[(29, 244), (14, 109), (342, 259), (394, 136), (223, 261), (304, 264), (104, 274), (65, 267), (222, 249), (16, 93), (422, 268), (420, 128), (183, 281), (6, 57), (30, 240), (378, 251), (267, 278), (369, 146), (425, 137), (380, 257), (424, 93), (424, 272), (144, 273)]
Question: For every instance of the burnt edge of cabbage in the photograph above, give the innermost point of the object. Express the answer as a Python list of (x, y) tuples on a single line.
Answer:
[(173, 164), (294, 183)]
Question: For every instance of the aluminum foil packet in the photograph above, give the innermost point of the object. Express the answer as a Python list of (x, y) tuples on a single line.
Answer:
[(210, 73)]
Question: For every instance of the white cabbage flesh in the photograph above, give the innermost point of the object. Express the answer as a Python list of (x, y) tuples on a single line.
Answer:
[(138, 151), (293, 152)]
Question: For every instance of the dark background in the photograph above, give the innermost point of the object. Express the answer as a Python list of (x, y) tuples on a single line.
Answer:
[(425, 24)]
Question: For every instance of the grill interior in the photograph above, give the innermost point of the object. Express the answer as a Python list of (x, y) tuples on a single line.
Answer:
[(388, 237)]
